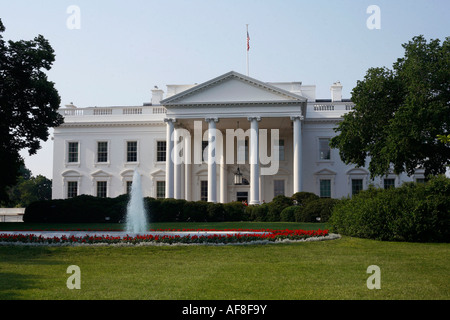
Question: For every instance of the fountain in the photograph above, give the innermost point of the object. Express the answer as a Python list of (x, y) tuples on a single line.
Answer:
[(136, 223), (136, 218)]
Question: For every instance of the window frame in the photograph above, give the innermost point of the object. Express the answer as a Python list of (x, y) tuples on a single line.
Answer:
[(160, 194), (161, 153), (103, 189), (69, 159), (277, 193), (97, 155), (203, 190), (354, 192), (389, 185), (319, 147), (127, 151), (69, 193), (320, 188)]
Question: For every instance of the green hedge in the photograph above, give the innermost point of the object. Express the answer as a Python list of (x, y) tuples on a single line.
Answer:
[(80, 209), (413, 212), (92, 209), (309, 208), (86, 208)]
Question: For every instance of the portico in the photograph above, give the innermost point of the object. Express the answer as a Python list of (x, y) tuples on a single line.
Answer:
[(231, 122), (232, 138)]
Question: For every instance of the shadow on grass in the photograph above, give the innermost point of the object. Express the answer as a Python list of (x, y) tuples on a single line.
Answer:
[(12, 285), (26, 268)]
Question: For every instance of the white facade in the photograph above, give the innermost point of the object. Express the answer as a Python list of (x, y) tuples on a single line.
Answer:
[(97, 150)]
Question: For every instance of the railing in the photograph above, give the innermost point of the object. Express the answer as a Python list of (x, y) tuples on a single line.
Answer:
[(333, 109), (323, 107), (159, 110), (108, 111), (132, 111), (102, 112), (332, 106)]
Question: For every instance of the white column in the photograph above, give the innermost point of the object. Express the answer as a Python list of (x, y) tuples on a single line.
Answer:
[(187, 169), (212, 167), (254, 160), (297, 164), (177, 165), (223, 176), (169, 159)]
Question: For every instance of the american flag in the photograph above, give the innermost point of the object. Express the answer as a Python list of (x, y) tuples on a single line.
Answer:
[(248, 42)]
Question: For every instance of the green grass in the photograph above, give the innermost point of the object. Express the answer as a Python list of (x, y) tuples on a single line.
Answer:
[(333, 269)]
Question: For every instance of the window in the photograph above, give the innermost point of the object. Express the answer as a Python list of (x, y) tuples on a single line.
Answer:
[(280, 150), (278, 188), (72, 155), (389, 183), (160, 189), (325, 188), (246, 151), (161, 151), (324, 149), (242, 196), (421, 180), (204, 190), (101, 189), (357, 186), (131, 151), (102, 151), (72, 189), (129, 185), (204, 154), (242, 151)]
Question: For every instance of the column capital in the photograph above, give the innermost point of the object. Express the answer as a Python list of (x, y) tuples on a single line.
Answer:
[(215, 119), (293, 118), (173, 120), (257, 118)]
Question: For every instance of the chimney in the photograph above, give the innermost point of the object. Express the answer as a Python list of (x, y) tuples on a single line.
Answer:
[(157, 96), (336, 92)]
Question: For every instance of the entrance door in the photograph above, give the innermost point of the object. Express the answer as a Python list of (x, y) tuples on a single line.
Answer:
[(242, 196)]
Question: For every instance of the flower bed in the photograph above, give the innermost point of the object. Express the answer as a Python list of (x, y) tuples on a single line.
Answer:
[(207, 237)]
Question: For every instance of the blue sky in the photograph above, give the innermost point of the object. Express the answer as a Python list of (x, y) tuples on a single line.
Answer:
[(124, 48)]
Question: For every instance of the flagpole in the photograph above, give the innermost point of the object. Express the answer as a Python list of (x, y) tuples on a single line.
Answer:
[(248, 39)]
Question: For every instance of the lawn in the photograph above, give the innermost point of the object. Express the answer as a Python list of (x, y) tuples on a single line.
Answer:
[(334, 269)]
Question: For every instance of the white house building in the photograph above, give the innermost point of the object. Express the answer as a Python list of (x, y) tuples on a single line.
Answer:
[(232, 138)]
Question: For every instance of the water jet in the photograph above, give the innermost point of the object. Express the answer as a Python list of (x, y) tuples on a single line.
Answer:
[(136, 217)]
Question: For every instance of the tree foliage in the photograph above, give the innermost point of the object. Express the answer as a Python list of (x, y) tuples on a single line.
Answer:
[(28, 102), (400, 112), (28, 189)]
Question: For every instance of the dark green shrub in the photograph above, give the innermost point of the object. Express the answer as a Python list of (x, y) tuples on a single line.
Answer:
[(216, 212), (317, 210), (257, 212), (80, 209), (235, 211), (276, 206), (413, 212), (288, 214), (303, 197), (195, 211)]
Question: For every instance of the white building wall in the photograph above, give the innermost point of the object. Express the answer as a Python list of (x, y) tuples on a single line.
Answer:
[(116, 171), (146, 125)]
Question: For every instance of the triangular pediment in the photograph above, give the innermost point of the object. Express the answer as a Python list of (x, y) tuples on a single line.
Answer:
[(232, 88), (325, 172), (100, 174)]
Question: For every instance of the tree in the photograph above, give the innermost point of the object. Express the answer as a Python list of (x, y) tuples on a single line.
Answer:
[(28, 102), (399, 113), (28, 189)]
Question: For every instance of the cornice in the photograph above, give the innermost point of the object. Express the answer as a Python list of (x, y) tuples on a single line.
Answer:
[(112, 124)]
